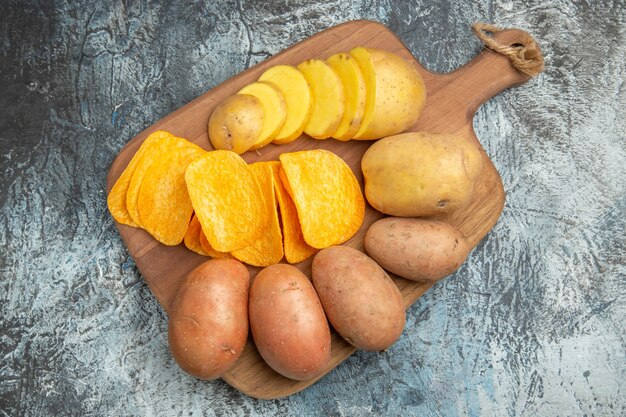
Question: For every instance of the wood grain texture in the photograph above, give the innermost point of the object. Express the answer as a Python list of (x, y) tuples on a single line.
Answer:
[(452, 101)]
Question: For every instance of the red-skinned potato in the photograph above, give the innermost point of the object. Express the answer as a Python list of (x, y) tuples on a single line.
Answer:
[(288, 323), (360, 300), (208, 321), (416, 249)]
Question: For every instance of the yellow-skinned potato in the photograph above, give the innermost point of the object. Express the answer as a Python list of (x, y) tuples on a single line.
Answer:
[(274, 110), (420, 174), (355, 91), (328, 98), (295, 89), (395, 93), (236, 123)]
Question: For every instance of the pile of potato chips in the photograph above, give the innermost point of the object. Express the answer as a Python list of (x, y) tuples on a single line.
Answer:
[(222, 207)]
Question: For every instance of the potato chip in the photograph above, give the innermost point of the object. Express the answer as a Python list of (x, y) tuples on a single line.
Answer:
[(206, 247), (163, 202), (295, 248), (327, 196), (160, 147), (227, 200), (192, 237), (268, 250), (116, 200)]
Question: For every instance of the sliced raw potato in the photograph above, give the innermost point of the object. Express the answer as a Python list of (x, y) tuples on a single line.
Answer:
[(192, 236), (295, 248), (160, 148), (116, 200), (328, 98), (268, 249), (355, 92), (327, 196), (206, 247), (236, 123), (295, 89), (274, 110), (227, 200), (163, 203), (395, 93)]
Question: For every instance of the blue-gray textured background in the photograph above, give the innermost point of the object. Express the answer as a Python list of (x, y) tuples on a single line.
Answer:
[(531, 325)]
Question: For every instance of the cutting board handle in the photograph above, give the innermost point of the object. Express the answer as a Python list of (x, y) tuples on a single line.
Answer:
[(511, 58)]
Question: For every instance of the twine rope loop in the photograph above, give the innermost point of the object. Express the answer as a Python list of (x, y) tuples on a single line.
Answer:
[(524, 56)]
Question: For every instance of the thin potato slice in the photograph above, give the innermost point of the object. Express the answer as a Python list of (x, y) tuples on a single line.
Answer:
[(355, 91), (295, 247), (328, 98), (163, 203), (274, 110), (192, 237), (227, 200), (297, 93), (206, 247), (267, 250), (327, 196), (163, 146), (116, 200)]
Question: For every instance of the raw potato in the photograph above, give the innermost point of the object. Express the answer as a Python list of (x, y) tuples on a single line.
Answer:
[(288, 323), (416, 249), (360, 300), (355, 92), (420, 174), (236, 123), (295, 89), (274, 110), (328, 98), (208, 321), (396, 93)]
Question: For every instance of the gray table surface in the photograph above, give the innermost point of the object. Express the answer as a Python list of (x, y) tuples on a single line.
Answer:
[(531, 325)]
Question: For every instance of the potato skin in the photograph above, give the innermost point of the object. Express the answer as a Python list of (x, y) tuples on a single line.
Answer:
[(361, 301), (420, 174), (416, 249), (288, 323), (236, 123), (208, 321)]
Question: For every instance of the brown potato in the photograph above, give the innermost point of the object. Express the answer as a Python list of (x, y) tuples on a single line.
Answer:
[(361, 302), (416, 249), (288, 323), (208, 323)]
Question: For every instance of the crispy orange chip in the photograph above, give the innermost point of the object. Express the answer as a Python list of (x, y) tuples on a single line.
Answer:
[(163, 203), (192, 236), (162, 145), (327, 196), (116, 200), (206, 247), (227, 200), (296, 249), (268, 250)]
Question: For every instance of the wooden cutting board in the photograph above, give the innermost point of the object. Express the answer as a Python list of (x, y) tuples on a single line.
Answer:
[(452, 101)]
